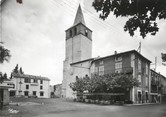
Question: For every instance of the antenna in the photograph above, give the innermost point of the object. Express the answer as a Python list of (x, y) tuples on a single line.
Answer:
[(1, 23), (139, 48), (155, 63)]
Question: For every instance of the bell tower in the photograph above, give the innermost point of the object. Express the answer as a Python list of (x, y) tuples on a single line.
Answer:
[(78, 47), (78, 39)]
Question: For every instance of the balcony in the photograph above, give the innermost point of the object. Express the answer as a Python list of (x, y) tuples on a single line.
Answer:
[(127, 70), (153, 82), (154, 91), (34, 83)]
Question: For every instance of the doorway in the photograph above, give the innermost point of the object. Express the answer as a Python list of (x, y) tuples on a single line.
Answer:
[(1, 98), (139, 97)]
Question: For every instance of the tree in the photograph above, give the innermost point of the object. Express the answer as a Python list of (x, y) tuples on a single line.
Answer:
[(108, 83), (4, 54), (142, 13), (21, 72), (126, 81), (16, 69), (163, 57), (78, 85), (19, 1), (5, 76), (2, 77)]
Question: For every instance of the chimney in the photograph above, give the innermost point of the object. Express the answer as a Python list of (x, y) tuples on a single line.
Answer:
[(115, 52)]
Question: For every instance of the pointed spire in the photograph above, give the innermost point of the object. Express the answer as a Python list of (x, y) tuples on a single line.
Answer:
[(79, 16)]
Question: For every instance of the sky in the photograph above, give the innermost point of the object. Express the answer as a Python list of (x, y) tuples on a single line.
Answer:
[(34, 32)]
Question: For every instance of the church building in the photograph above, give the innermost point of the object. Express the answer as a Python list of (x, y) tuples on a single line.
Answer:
[(78, 48), (79, 62)]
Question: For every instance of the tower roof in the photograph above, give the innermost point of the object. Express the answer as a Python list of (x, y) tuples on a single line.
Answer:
[(79, 17)]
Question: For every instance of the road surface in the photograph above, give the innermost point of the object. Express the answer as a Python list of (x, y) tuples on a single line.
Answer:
[(31, 107)]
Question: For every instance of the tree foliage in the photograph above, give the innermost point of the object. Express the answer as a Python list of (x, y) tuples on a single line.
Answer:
[(2, 77), (142, 13), (4, 54), (163, 57), (16, 69), (21, 71), (104, 84), (19, 1)]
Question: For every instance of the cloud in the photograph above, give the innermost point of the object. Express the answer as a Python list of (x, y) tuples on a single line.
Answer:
[(31, 32)]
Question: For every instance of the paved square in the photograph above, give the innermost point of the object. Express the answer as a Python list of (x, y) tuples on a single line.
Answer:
[(32, 107)]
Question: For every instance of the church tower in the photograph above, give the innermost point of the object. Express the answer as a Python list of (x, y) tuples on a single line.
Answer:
[(78, 47), (78, 40)]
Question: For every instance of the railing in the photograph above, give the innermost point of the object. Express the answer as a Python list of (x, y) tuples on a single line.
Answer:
[(34, 83), (154, 91), (127, 70), (122, 70), (154, 82)]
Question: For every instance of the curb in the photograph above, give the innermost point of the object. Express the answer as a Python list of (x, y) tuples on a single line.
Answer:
[(142, 104)]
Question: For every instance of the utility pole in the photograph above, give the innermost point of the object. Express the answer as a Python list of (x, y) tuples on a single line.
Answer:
[(155, 63), (139, 48)]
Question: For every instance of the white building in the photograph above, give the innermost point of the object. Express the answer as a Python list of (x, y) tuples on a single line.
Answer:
[(30, 85)]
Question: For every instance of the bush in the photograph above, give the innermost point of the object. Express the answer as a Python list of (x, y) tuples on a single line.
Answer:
[(106, 102), (92, 101), (87, 100), (75, 100), (97, 101)]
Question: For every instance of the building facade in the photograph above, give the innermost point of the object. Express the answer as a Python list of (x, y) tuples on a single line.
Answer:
[(157, 87), (163, 88), (130, 62), (78, 62), (30, 85), (56, 91)]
